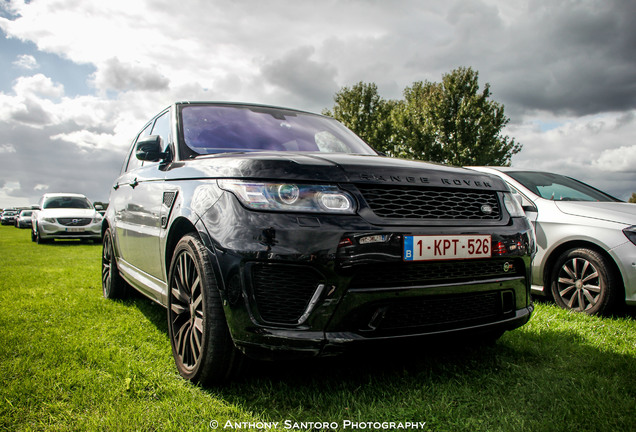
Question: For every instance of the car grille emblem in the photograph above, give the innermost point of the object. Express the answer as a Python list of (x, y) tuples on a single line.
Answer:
[(486, 209), (74, 221)]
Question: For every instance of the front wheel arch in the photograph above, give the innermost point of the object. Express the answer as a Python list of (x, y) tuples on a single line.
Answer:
[(557, 252)]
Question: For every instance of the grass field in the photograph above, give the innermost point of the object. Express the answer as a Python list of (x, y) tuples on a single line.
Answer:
[(72, 361)]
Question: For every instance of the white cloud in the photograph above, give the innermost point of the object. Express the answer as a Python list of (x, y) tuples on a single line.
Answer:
[(622, 159), (38, 85), (565, 72), (596, 149), (7, 148), (25, 61), (85, 139)]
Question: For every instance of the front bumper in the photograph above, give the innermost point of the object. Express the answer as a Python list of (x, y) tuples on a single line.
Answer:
[(625, 257), (55, 230), (298, 285)]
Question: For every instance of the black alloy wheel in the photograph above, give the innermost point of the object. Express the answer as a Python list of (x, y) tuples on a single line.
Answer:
[(582, 281), (113, 286), (201, 343)]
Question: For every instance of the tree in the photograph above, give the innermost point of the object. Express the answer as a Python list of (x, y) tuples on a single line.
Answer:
[(633, 198), (362, 110), (452, 122)]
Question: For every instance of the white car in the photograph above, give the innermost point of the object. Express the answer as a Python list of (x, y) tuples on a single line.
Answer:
[(65, 216), (586, 258), (24, 219)]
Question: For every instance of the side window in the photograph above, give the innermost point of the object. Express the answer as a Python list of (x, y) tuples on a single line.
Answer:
[(133, 162), (162, 128)]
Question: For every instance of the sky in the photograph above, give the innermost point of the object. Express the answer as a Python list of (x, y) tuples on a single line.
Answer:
[(79, 78)]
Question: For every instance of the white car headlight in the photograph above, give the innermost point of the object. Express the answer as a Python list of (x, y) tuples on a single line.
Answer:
[(512, 205), (290, 197), (49, 220)]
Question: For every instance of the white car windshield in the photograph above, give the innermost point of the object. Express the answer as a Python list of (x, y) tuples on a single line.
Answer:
[(558, 188), (67, 202), (209, 129)]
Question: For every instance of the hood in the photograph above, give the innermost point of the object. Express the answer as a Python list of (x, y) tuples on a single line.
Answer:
[(333, 168), (619, 212)]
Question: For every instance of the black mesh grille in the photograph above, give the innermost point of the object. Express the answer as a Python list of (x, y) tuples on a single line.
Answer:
[(168, 198), (74, 221), (427, 273), (442, 312), (283, 292), (403, 202)]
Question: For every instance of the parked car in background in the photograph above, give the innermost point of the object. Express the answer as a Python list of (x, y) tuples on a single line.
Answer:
[(9, 216), (271, 232), (24, 219), (586, 238), (65, 216)]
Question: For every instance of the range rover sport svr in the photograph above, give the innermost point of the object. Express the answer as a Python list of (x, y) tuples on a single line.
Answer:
[(269, 232)]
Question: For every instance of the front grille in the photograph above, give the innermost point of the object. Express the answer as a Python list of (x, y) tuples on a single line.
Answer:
[(74, 221), (283, 292), (417, 203), (433, 272), (445, 312)]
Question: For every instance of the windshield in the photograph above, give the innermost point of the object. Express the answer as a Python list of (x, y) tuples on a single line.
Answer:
[(557, 187), (211, 129), (67, 202)]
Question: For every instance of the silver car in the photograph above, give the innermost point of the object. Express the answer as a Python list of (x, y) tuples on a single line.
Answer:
[(65, 216), (586, 258)]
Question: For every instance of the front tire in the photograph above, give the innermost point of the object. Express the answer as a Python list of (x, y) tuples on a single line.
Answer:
[(39, 239), (201, 343), (582, 281), (113, 285)]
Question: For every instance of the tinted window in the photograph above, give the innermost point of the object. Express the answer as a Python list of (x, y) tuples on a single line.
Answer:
[(162, 128), (133, 162), (557, 187), (218, 129)]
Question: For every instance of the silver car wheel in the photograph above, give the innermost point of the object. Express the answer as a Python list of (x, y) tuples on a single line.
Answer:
[(583, 280), (579, 284)]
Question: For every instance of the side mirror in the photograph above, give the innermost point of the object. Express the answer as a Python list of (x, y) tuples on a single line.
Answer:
[(148, 149)]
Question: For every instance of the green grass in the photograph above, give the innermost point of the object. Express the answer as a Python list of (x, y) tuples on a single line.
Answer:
[(71, 360)]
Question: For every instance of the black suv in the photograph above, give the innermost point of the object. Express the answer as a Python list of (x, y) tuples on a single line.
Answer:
[(271, 232)]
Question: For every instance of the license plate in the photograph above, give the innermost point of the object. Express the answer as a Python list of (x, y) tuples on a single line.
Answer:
[(446, 247), (74, 229)]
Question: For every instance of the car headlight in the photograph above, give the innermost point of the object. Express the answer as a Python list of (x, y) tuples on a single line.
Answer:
[(631, 233), (48, 219), (512, 205), (290, 197)]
